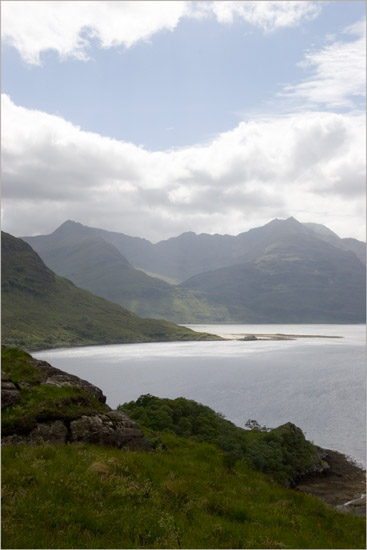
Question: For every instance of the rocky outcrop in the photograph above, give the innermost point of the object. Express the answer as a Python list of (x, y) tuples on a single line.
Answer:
[(113, 428), (107, 428), (56, 377), (9, 392)]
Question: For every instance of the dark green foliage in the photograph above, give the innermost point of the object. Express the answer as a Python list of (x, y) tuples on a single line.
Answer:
[(282, 453), (42, 310), (80, 496)]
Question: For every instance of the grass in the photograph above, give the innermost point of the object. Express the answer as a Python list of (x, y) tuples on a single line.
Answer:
[(81, 496), (42, 310), (184, 494)]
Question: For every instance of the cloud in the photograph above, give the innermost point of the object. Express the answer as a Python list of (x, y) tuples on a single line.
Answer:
[(274, 167), (33, 27), (268, 15), (68, 27), (338, 72)]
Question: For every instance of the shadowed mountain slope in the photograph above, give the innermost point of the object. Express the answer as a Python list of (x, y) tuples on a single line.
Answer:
[(285, 271), (41, 309), (96, 265), (289, 276)]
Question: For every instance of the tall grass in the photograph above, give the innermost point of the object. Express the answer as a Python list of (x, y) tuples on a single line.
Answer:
[(186, 496)]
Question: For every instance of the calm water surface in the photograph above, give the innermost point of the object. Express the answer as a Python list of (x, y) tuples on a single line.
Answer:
[(319, 384)]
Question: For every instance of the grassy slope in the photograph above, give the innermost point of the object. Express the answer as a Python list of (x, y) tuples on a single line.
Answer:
[(182, 497), (185, 494), (40, 309)]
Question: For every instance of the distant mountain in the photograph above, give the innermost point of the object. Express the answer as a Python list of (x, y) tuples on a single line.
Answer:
[(353, 245), (41, 309), (91, 263), (285, 271), (288, 275), (189, 254)]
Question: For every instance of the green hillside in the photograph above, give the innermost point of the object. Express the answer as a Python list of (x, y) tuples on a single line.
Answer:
[(41, 309), (181, 497), (283, 452)]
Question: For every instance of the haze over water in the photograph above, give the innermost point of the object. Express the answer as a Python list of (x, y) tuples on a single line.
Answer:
[(318, 384)]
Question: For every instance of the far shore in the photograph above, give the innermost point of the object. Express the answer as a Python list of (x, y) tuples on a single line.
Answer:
[(247, 336)]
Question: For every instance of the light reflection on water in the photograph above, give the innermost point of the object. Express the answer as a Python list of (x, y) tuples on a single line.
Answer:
[(319, 384)]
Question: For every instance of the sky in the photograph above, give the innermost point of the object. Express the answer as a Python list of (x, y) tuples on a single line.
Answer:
[(155, 118)]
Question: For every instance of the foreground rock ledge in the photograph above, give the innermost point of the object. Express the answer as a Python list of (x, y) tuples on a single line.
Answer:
[(111, 428)]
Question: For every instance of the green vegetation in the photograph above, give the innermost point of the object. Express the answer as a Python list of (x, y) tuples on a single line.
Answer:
[(48, 403), (80, 496), (42, 310), (187, 493), (183, 497), (40, 402), (18, 366), (282, 453)]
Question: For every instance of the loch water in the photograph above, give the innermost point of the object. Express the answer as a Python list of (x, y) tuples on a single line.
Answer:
[(319, 384)]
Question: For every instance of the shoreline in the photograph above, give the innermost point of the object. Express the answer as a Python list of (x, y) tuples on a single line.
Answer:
[(342, 486), (251, 336)]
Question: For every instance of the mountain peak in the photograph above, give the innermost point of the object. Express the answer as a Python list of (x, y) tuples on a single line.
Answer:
[(69, 226)]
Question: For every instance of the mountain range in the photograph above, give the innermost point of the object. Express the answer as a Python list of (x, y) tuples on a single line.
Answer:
[(283, 272), (41, 309)]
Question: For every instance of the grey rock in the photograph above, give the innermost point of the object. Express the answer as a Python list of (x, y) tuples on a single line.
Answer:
[(9, 392), (57, 377), (44, 432), (50, 432), (112, 429)]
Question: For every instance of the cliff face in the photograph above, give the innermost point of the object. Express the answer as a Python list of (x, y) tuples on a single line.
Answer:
[(41, 403)]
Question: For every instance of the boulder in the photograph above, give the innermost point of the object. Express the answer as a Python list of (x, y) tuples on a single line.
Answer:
[(112, 429), (9, 392), (44, 432)]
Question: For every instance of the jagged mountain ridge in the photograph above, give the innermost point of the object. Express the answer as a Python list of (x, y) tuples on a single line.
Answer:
[(262, 275), (89, 261)]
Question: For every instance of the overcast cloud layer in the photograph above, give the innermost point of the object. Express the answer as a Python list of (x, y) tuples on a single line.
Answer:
[(309, 163)]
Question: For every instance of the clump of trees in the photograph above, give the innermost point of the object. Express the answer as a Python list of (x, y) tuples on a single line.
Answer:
[(282, 453)]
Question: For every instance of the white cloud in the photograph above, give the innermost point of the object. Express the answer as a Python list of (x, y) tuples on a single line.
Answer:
[(338, 72), (275, 167), (67, 27), (268, 15), (33, 27)]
